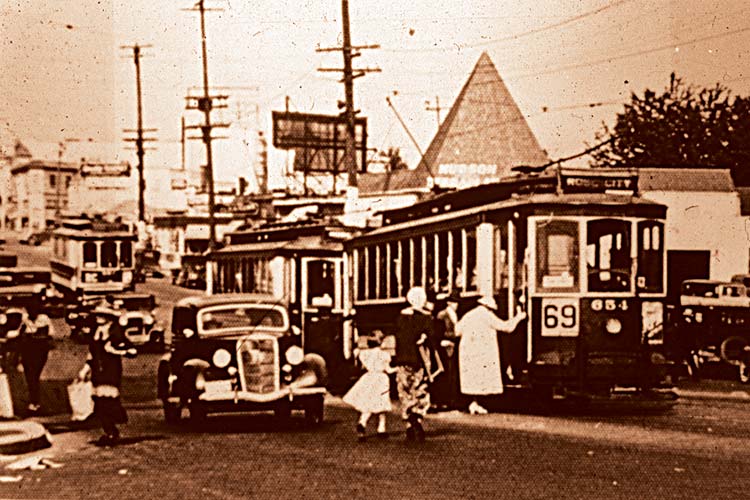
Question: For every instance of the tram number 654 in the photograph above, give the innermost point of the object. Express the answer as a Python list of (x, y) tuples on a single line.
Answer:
[(560, 317)]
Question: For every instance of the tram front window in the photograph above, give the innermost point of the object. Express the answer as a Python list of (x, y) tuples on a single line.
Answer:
[(89, 254), (108, 254), (650, 256), (608, 255), (557, 255)]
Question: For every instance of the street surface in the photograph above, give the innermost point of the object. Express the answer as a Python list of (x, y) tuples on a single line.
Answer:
[(698, 449)]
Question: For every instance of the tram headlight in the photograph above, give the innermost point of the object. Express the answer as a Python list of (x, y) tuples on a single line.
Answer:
[(295, 355), (614, 326), (221, 358)]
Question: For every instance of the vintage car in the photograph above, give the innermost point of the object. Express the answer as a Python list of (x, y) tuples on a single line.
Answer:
[(192, 272), (142, 329), (11, 318), (238, 352), (21, 283)]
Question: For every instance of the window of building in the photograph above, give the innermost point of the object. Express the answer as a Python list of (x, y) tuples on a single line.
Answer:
[(52, 180), (89, 254)]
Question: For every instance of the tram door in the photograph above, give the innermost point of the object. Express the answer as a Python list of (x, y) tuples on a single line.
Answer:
[(322, 318)]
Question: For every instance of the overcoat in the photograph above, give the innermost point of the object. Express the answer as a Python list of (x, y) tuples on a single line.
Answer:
[(480, 372)]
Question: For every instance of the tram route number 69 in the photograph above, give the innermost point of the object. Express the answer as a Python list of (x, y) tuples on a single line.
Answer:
[(560, 317)]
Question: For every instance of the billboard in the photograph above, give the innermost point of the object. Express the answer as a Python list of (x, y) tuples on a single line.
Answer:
[(318, 140), (95, 169)]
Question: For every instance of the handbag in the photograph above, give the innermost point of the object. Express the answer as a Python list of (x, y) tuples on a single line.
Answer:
[(81, 403)]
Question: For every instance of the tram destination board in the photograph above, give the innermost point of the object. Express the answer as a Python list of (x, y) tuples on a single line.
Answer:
[(318, 140), (599, 182)]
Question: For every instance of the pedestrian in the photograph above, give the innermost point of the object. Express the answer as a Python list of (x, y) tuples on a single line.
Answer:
[(34, 345), (104, 365), (479, 365), (444, 392), (414, 331), (370, 395)]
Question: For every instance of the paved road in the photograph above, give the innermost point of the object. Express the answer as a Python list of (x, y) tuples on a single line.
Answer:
[(698, 449)]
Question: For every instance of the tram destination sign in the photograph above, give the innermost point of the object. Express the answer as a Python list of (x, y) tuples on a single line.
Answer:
[(598, 182), (318, 140)]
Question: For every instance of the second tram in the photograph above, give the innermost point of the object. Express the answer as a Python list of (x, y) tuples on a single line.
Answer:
[(92, 257), (578, 249)]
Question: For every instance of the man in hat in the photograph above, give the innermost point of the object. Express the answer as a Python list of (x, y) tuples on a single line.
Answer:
[(414, 330), (479, 367), (104, 365), (444, 391)]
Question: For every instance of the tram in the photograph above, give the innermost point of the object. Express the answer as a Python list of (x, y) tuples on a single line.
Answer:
[(92, 257), (300, 264), (579, 250)]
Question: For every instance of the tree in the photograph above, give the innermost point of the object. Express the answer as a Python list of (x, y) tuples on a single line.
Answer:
[(684, 125)]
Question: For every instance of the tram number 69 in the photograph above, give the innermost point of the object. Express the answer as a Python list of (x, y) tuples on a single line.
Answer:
[(560, 317)]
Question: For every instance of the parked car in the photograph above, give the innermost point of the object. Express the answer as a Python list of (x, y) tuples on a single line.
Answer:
[(238, 352), (36, 238)]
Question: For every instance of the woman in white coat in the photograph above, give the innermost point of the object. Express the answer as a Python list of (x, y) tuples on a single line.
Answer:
[(480, 373)]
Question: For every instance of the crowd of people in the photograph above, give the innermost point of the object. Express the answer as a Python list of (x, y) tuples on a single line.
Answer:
[(440, 362)]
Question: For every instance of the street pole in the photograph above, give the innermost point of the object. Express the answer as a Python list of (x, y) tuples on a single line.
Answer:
[(350, 159), (58, 201), (205, 106)]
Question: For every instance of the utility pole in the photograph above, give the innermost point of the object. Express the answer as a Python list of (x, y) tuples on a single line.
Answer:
[(139, 138), (205, 103), (348, 50), (435, 108)]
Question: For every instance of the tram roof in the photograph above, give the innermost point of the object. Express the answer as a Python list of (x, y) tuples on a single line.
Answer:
[(300, 244), (574, 201), (228, 299), (90, 234)]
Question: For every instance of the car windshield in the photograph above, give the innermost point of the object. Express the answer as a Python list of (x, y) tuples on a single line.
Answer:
[(240, 317)]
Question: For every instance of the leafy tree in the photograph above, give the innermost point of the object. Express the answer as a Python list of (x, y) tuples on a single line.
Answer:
[(684, 125)]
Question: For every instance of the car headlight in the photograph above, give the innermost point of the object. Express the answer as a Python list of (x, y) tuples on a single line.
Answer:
[(295, 355), (221, 358), (3, 319), (614, 326), (72, 315), (127, 276), (148, 320)]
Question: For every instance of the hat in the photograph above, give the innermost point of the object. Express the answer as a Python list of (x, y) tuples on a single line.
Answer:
[(488, 301), (416, 297)]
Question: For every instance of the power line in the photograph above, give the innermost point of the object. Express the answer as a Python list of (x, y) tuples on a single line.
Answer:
[(524, 34)]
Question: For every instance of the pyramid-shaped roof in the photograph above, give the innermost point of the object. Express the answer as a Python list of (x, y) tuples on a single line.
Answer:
[(481, 139)]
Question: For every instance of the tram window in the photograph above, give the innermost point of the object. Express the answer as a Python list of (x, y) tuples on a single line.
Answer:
[(359, 260), (372, 266), (417, 276), (126, 254), (405, 267), (501, 259), (608, 255), (108, 254), (443, 262), (394, 269), (429, 256), (557, 255), (383, 266), (89, 254), (457, 265), (321, 282), (471, 259), (650, 256)]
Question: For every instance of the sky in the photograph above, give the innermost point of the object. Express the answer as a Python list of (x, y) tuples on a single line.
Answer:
[(570, 65)]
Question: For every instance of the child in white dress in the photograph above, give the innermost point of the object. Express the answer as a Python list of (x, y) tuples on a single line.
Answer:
[(371, 393)]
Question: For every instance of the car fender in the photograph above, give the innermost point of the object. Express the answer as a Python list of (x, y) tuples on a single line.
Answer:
[(314, 372)]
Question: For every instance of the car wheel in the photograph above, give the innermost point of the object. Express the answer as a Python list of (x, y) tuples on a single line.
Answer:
[(172, 413), (198, 413), (314, 412)]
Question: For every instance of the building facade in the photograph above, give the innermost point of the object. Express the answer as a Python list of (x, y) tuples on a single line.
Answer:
[(39, 193)]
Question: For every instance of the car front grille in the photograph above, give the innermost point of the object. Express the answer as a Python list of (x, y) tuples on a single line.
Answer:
[(258, 358)]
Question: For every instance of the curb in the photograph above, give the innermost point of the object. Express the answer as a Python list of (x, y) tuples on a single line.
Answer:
[(19, 437), (715, 395)]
